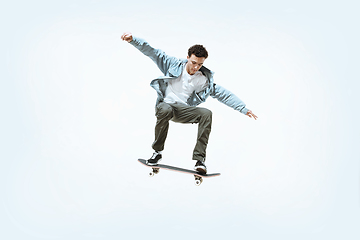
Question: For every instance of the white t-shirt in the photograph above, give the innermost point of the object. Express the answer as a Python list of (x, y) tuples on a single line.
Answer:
[(181, 88)]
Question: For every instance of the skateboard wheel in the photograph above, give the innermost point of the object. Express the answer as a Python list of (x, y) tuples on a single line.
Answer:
[(198, 180), (154, 171)]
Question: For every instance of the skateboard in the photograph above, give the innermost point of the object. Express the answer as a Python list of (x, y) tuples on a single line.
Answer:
[(198, 176)]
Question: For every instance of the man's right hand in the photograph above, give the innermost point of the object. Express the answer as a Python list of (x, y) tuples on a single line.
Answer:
[(127, 37)]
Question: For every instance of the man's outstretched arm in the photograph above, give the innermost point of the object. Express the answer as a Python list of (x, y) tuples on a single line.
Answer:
[(228, 98), (162, 60)]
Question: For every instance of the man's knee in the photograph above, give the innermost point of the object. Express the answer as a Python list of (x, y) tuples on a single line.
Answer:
[(164, 110), (206, 112)]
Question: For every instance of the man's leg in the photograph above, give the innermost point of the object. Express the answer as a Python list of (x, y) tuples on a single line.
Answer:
[(204, 129), (187, 114), (164, 113)]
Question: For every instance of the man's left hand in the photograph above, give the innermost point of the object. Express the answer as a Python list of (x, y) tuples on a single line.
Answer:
[(250, 114)]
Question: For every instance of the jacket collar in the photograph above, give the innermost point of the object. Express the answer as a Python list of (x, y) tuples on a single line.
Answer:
[(175, 71)]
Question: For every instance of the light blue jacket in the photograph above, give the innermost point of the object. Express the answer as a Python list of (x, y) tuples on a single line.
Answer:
[(172, 68)]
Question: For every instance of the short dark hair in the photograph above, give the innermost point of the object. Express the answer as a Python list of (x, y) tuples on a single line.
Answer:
[(198, 51)]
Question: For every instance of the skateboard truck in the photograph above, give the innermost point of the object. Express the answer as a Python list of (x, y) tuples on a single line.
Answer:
[(154, 171)]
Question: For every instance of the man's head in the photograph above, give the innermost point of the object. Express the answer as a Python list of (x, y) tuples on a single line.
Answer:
[(196, 58)]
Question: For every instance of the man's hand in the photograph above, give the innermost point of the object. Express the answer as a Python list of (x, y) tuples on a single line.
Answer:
[(127, 37), (251, 115)]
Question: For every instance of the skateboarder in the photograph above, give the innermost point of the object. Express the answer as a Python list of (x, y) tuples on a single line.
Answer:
[(186, 83)]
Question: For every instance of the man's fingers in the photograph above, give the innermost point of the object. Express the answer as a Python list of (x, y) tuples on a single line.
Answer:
[(251, 114), (126, 37)]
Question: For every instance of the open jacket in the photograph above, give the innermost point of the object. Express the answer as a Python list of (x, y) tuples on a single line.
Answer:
[(172, 68)]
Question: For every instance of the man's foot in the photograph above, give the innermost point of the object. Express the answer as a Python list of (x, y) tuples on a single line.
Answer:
[(156, 157), (200, 167)]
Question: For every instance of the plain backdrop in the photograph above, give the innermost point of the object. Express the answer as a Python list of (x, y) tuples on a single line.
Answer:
[(77, 112)]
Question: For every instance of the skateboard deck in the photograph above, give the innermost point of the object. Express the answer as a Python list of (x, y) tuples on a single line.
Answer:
[(198, 176)]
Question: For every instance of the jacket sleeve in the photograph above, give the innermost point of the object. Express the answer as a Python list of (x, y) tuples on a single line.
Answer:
[(162, 60), (228, 98)]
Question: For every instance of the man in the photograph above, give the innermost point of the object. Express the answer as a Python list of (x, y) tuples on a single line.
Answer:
[(186, 83)]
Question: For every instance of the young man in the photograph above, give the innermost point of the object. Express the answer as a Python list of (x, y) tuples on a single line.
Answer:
[(186, 83)]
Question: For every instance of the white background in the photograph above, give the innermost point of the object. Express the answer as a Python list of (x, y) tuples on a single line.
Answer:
[(77, 111)]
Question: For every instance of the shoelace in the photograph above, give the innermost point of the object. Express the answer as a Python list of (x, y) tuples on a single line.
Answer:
[(154, 155)]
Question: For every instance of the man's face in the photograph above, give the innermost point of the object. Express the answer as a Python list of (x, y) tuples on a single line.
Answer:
[(194, 64)]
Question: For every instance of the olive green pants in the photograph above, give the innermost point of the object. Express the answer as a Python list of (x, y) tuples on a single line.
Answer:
[(182, 113)]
